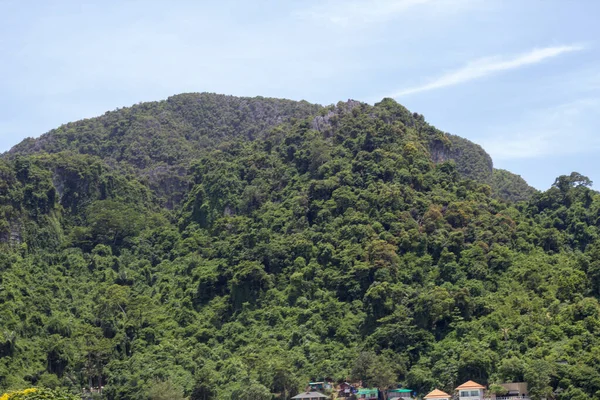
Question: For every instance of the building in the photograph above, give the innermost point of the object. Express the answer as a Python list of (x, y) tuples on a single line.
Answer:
[(368, 394), (470, 391), (514, 391), (316, 385), (345, 389), (309, 396), (400, 394), (437, 395)]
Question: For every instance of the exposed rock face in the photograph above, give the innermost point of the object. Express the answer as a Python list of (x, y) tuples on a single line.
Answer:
[(322, 122), (11, 233)]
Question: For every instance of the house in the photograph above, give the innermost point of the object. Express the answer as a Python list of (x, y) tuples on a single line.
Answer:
[(470, 391), (400, 394), (316, 385), (309, 396), (514, 391), (437, 395), (368, 394), (345, 389)]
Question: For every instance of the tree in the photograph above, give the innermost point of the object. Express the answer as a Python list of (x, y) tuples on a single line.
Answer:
[(165, 390), (252, 391), (538, 375), (382, 376), (575, 179), (111, 221), (373, 371), (204, 386), (362, 367)]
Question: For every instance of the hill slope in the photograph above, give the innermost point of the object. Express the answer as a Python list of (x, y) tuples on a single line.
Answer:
[(510, 186), (333, 245), (158, 140)]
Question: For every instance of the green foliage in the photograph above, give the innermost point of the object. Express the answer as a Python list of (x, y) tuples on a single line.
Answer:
[(374, 371), (205, 248), (508, 186), (472, 161), (39, 394), (165, 390), (251, 391), (159, 139)]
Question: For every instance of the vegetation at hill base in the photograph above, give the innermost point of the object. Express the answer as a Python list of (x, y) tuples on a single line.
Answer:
[(211, 247), (38, 394)]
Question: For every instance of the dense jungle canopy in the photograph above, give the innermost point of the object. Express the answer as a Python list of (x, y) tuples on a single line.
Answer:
[(213, 247)]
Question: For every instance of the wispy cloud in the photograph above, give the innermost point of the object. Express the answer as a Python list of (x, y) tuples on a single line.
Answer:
[(561, 130), (486, 66)]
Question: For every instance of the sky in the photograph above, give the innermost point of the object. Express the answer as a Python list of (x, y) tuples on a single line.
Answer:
[(519, 77)]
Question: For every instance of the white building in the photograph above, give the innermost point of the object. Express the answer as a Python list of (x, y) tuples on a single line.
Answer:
[(470, 391)]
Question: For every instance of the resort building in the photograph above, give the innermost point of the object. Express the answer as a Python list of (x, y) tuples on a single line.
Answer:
[(309, 396), (400, 394), (513, 391), (345, 389), (368, 394), (470, 391)]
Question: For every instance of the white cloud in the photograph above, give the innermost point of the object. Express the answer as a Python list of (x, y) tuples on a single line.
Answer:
[(489, 65), (561, 130)]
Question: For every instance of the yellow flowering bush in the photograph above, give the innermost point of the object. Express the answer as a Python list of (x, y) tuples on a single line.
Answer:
[(38, 394), (18, 395)]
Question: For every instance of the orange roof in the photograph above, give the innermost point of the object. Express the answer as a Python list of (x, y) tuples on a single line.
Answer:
[(470, 385), (437, 394)]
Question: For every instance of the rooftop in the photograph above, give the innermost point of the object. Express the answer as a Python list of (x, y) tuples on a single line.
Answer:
[(309, 395), (470, 385), (437, 394), (368, 391)]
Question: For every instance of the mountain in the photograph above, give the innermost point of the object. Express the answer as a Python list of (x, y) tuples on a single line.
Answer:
[(214, 247), (158, 140)]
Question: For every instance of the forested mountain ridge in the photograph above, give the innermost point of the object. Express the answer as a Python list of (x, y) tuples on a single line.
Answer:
[(171, 130), (333, 245), (158, 140)]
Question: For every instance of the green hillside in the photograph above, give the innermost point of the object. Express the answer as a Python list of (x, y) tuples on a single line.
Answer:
[(214, 247), (510, 186), (159, 140)]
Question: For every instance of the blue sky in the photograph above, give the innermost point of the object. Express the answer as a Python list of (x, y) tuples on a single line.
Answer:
[(519, 77)]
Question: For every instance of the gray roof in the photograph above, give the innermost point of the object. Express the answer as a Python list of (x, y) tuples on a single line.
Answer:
[(309, 395)]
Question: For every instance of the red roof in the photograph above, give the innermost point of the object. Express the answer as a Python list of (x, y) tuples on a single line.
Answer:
[(437, 394), (470, 385)]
